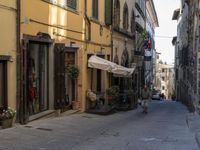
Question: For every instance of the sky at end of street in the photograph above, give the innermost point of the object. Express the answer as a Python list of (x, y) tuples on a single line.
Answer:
[(167, 28)]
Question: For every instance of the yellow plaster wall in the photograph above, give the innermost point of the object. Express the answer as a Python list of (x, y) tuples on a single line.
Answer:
[(97, 42), (8, 45), (72, 20)]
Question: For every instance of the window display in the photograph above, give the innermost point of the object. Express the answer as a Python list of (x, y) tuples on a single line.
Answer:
[(37, 78)]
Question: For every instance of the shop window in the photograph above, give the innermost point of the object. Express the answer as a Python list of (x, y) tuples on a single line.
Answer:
[(95, 9), (37, 78), (116, 18), (3, 91), (125, 17)]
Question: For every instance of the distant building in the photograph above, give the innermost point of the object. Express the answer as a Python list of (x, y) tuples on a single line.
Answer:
[(165, 79)]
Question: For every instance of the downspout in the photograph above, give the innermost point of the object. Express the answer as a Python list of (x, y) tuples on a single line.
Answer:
[(18, 4), (112, 44)]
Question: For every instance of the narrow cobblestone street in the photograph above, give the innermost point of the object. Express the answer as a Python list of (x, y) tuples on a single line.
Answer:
[(163, 128)]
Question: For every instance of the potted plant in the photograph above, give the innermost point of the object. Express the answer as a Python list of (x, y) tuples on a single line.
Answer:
[(72, 71), (112, 93), (6, 117)]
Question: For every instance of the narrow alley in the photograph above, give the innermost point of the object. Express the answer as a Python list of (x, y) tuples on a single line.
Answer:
[(163, 128)]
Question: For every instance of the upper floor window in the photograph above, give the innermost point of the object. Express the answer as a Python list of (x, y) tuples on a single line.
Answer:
[(95, 9), (72, 4), (116, 19), (133, 22), (142, 5), (125, 17)]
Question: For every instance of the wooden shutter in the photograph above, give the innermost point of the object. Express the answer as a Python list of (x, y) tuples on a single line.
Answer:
[(108, 12), (59, 73)]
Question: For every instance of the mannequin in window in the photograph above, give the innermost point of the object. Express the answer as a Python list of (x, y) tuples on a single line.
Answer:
[(32, 89)]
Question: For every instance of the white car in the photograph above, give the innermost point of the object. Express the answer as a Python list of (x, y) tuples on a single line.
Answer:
[(155, 95)]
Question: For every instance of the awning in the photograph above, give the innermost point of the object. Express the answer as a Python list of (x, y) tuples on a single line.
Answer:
[(100, 63), (117, 70)]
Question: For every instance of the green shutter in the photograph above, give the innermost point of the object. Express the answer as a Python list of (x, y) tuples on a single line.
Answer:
[(108, 12)]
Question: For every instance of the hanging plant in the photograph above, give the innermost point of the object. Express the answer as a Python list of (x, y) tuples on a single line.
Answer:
[(143, 34), (72, 71)]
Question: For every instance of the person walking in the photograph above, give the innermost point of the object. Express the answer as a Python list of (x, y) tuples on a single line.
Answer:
[(145, 96)]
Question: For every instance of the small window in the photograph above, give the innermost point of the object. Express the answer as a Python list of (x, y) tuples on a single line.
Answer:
[(125, 17), (53, 1), (163, 87), (163, 70), (95, 9), (116, 18), (133, 22), (72, 4), (163, 78)]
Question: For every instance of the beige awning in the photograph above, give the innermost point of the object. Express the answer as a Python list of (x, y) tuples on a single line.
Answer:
[(100, 63), (117, 70), (123, 71)]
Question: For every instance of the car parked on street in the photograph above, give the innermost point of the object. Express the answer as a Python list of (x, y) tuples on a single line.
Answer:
[(156, 95)]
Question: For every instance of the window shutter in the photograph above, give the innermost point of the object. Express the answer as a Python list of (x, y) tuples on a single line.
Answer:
[(108, 12)]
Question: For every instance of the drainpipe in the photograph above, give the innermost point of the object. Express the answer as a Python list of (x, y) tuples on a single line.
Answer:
[(18, 4)]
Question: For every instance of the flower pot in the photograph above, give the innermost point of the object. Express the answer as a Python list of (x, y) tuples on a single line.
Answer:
[(75, 105), (57, 112), (8, 123)]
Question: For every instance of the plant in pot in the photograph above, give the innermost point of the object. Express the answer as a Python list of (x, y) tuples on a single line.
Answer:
[(6, 117), (73, 72), (112, 94)]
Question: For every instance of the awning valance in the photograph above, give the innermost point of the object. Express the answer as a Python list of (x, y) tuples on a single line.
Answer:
[(100, 63)]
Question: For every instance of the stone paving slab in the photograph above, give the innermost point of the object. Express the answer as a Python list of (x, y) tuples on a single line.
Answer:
[(163, 128), (193, 122)]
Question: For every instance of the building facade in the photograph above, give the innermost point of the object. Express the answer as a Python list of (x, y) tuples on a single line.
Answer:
[(67, 34), (167, 80), (151, 24), (123, 38), (37, 70), (187, 54), (8, 53)]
